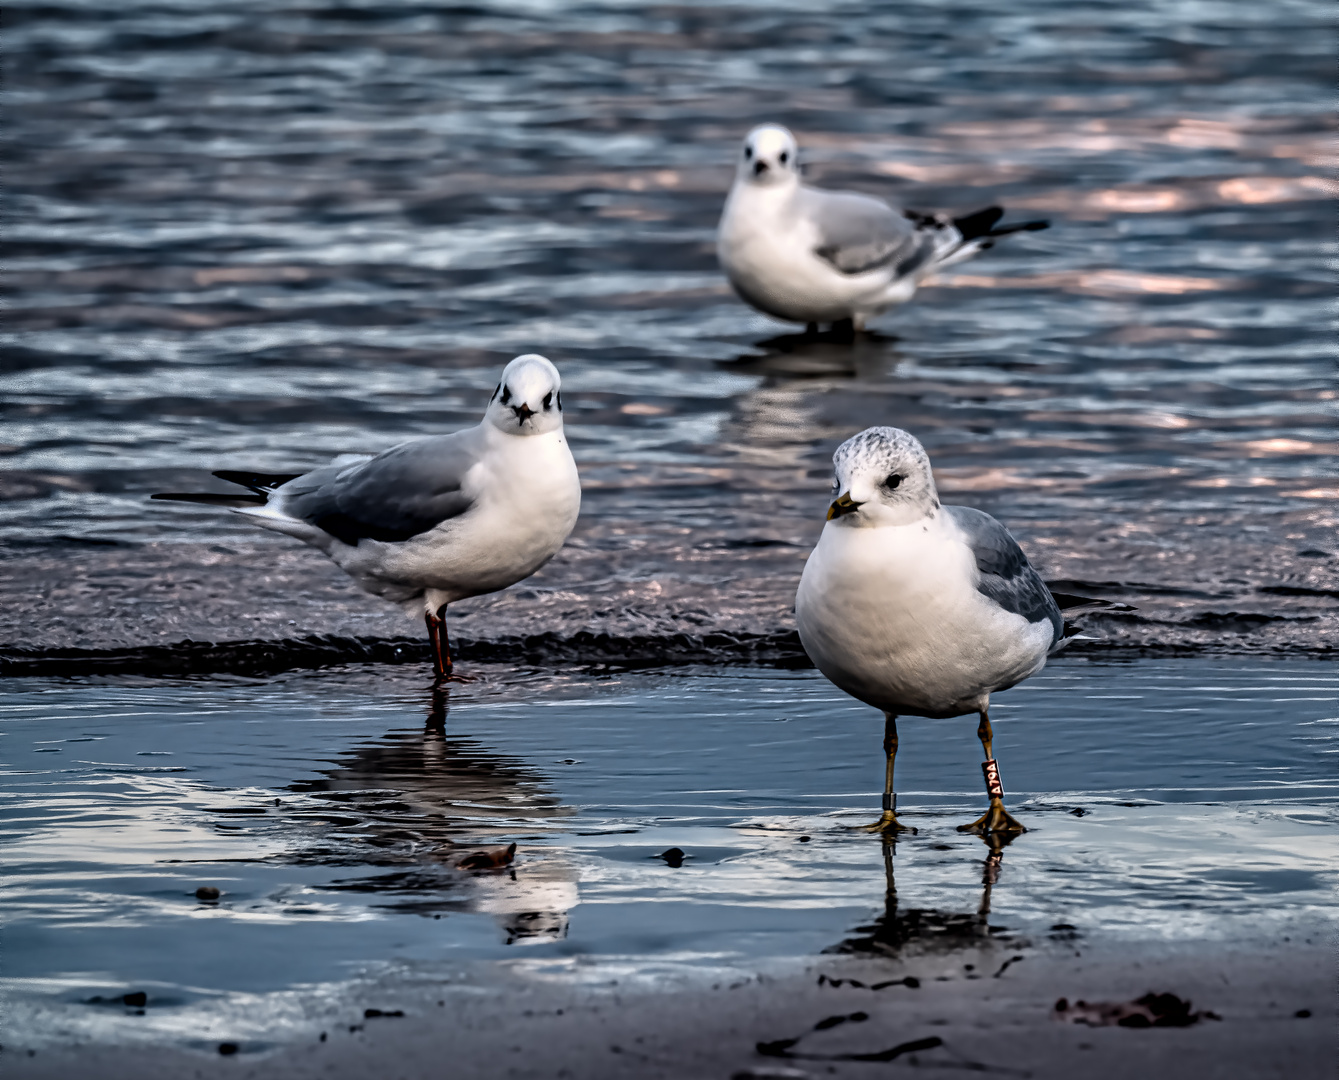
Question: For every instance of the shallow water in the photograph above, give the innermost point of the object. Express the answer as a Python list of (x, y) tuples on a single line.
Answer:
[(332, 810), (256, 235)]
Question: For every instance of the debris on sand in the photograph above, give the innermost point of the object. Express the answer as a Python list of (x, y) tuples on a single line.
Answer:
[(488, 860), (207, 893), (1151, 1010), (673, 857)]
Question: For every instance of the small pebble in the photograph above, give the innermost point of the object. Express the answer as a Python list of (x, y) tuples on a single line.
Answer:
[(207, 892), (227, 1048), (136, 1000)]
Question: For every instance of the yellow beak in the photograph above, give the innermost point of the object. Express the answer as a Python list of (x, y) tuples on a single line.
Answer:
[(843, 505)]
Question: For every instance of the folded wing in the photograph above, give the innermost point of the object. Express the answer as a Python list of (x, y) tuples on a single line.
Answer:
[(1006, 576), (857, 233), (401, 493)]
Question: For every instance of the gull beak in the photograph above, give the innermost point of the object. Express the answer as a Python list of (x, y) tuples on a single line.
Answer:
[(523, 412), (759, 167), (843, 505)]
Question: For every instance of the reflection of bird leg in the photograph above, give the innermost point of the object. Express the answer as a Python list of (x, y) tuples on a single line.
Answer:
[(439, 641), (996, 818), (990, 873), (888, 823), (437, 710), (889, 841)]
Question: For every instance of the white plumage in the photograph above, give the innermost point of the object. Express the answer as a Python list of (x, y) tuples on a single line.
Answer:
[(803, 254), (918, 608), (436, 520)]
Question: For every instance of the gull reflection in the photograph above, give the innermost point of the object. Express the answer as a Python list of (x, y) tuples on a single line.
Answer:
[(416, 804), (896, 928), (826, 353)]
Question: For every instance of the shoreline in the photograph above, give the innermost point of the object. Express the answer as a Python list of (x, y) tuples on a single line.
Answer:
[(972, 1011), (263, 657)]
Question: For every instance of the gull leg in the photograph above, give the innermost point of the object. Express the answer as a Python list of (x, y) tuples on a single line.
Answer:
[(441, 657), (441, 648), (888, 823), (996, 819)]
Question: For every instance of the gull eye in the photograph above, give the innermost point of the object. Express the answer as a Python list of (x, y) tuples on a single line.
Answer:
[(548, 400), (785, 156), (748, 153), (836, 487), (506, 394), (892, 481)]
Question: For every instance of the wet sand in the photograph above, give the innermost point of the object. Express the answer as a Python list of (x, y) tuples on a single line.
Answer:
[(486, 1024)]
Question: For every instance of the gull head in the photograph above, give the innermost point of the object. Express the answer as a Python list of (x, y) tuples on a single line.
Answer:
[(882, 478), (528, 400), (769, 157)]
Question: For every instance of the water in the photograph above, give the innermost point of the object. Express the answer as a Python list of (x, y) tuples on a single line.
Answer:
[(257, 235), (1168, 801)]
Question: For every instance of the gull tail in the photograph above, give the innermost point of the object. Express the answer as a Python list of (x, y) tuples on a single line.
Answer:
[(259, 484), (956, 240)]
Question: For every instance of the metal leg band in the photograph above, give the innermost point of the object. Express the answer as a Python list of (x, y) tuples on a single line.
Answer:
[(994, 788), (890, 801)]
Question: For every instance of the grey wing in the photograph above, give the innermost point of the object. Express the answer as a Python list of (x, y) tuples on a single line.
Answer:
[(400, 493), (858, 233), (1006, 575)]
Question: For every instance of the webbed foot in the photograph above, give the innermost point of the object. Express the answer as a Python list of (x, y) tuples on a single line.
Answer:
[(994, 820), (888, 823)]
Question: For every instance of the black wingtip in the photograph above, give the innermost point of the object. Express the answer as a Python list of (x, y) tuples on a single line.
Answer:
[(981, 223), (259, 482), (1022, 226), (210, 499), (1069, 601)]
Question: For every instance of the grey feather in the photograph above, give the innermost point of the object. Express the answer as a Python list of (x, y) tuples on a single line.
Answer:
[(1006, 576), (402, 492), (858, 233)]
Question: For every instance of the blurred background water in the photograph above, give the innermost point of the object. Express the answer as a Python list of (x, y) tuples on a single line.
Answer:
[(260, 234)]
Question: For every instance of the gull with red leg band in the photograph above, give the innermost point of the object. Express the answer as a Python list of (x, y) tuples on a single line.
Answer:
[(996, 819)]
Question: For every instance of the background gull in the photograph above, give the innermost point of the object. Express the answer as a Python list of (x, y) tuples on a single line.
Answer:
[(919, 608), (807, 255), (440, 519)]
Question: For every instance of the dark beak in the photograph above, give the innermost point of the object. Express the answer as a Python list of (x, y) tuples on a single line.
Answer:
[(759, 167), (842, 506), (523, 412)]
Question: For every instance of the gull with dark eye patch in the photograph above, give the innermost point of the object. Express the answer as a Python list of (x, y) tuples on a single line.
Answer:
[(804, 254), (918, 608), (440, 519)]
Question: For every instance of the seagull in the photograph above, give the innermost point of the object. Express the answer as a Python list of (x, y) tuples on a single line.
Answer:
[(918, 608), (803, 254), (435, 520)]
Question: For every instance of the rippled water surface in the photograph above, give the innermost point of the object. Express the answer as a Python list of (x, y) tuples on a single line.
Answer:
[(1168, 801), (261, 234)]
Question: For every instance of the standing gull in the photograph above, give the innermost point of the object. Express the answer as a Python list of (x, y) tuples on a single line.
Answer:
[(802, 254), (917, 608), (436, 520)]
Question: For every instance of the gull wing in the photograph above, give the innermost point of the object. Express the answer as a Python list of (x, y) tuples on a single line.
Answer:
[(1006, 576), (859, 233), (402, 492)]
